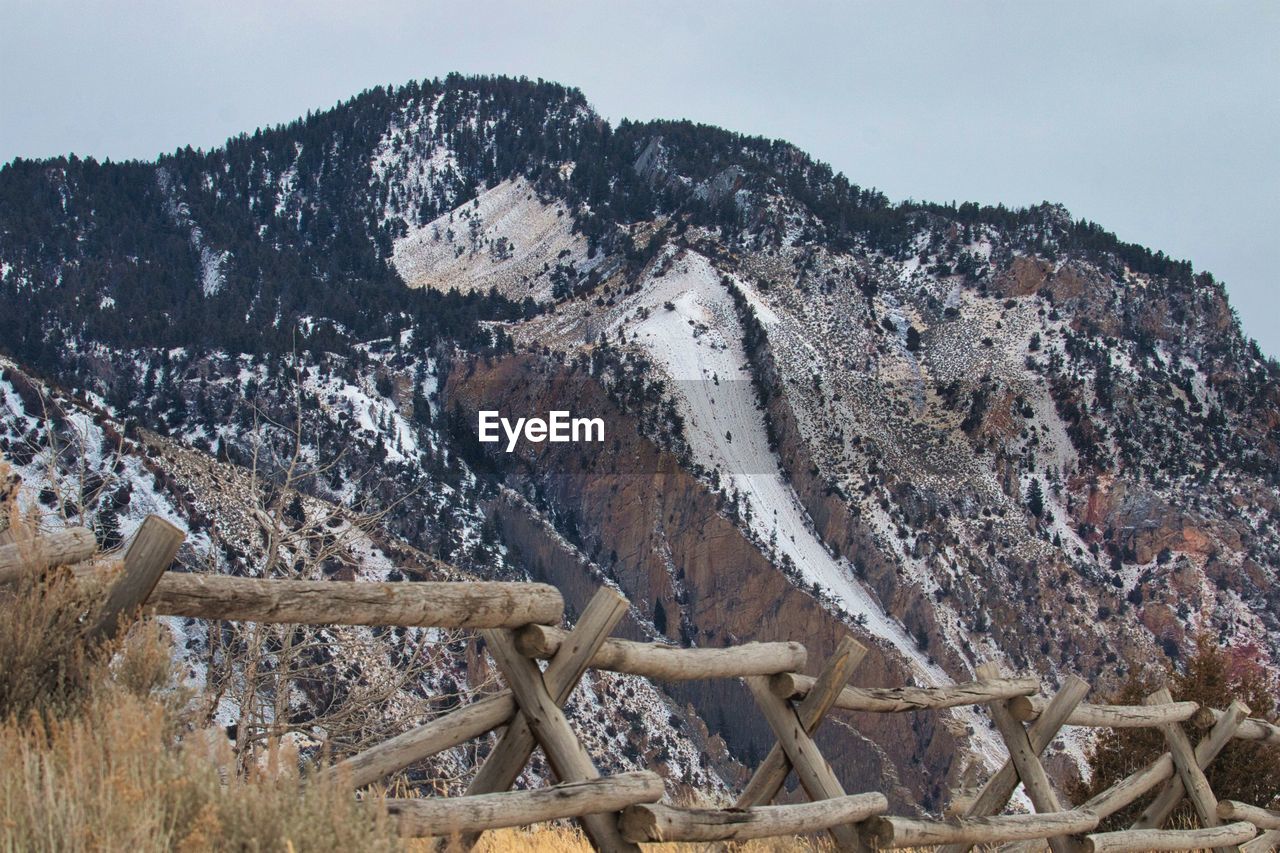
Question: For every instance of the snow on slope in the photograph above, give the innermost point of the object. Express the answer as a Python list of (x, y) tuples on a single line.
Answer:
[(698, 341), (411, 157), (212, 261), (507, 238)]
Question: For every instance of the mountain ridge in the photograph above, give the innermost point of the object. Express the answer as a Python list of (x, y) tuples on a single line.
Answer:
[(958, 431)]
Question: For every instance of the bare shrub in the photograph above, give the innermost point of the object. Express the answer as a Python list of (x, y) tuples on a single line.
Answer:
[(45, 667), (1213, 676)]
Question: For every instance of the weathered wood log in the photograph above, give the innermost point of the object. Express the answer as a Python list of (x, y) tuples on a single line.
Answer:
[(457, 727), (771, 775), (1267, 842), (447, 816), (564, 752), (1128, 840), (1131, 788), (1000, 787), (1026, 761), (20, 559), (429, 604), (815, 775), (149, 556), (1250, 729), (671, 663), (391, 756), (890, 832), (661, 823), (1256, 815), (1154, 816), (1255, 729), (1027, 708), (896, 699), (1193, 779), (514, 749)]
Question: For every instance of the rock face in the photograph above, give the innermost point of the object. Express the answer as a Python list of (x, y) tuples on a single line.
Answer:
[(658, 533)]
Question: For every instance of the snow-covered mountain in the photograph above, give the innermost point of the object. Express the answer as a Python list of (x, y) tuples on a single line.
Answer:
[(958, 432)]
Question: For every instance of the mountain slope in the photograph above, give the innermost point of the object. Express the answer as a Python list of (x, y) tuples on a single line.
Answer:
[(956, 431)]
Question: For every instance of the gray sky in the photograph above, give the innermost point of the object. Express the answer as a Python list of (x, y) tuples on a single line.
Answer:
[(1161, 121)]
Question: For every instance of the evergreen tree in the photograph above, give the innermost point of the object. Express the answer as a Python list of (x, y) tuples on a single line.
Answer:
[(1035, 498), (659, 616), (107, 528)]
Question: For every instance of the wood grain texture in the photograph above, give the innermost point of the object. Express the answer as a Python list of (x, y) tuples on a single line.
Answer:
[(23, 558), (663, 823), (514, 749), (1154, 816), (1267, 842), (427, 604), (815, 775), (899, 699), (1249, 729), (565, 753), (892, 832), (1192, 776), (1026, 761), (149, 556), (999, 788), (392, 756), (670, 663), (1131, 788), (1256, 815), (1136, 840), (1027, 708), (451, 816)]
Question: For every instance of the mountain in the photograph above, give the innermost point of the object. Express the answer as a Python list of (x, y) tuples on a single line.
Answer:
[(955, 431)]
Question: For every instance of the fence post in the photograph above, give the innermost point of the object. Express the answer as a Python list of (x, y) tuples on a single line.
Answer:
[(1206, 751), (816, 776), (149, 556), (1025, 759), (501, 769), (565, 753), (1189, 764), (772, 772), (999, 788)]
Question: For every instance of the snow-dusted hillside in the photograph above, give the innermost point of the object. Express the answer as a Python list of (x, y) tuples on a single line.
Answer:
[(76, 466), (960, 432)]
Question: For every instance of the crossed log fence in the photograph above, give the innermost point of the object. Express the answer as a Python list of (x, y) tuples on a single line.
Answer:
[(519, 622)]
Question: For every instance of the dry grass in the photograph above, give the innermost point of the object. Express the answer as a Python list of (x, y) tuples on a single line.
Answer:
[(98, 751), (45, 668), (125, 772)]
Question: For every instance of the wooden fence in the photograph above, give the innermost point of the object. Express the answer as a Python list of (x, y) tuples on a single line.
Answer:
[(519, 622)]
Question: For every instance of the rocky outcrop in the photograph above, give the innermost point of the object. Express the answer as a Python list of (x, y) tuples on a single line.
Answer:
[(658, 532)]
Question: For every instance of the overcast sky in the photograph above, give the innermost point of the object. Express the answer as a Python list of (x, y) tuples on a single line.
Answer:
[(1161, 121)]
